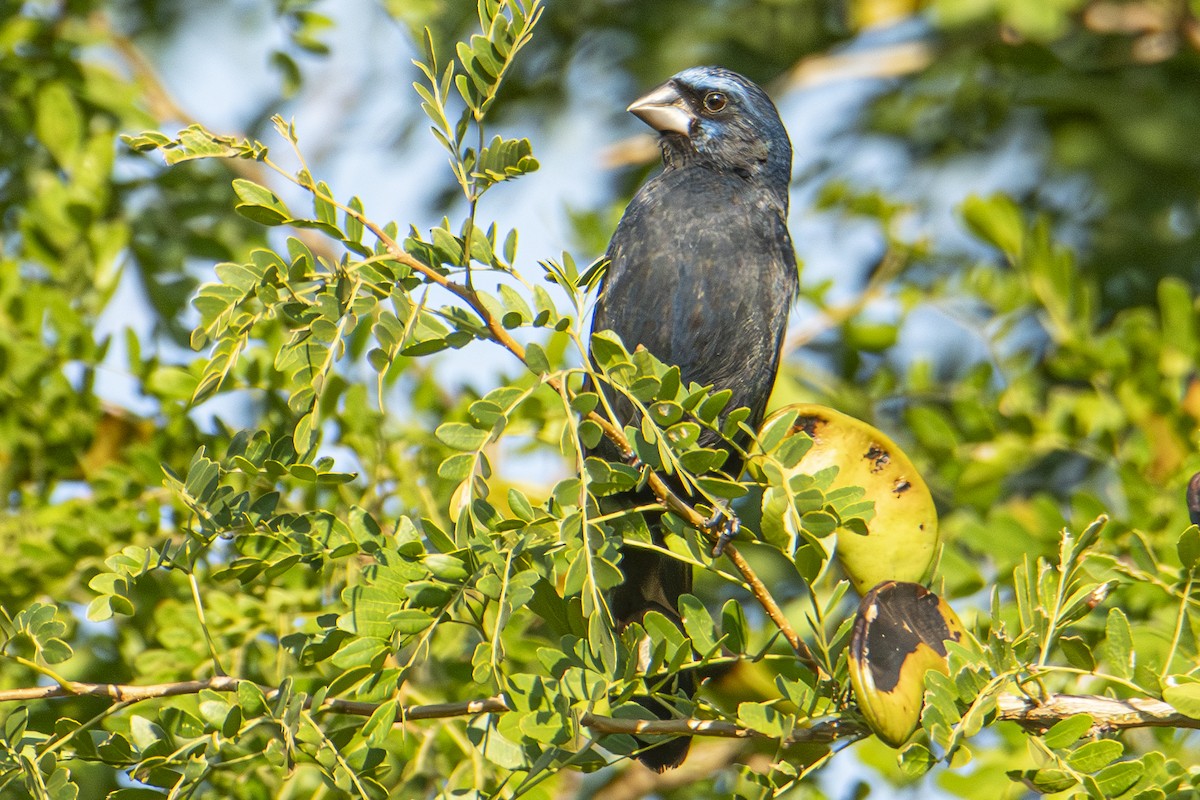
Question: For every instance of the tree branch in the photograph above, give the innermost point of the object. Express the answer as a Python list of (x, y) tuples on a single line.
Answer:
[(1108, 714)]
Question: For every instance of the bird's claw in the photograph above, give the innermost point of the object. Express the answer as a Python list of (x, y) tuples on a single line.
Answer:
[(728, 524)]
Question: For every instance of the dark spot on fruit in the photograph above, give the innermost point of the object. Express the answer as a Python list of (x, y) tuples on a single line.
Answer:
[(900, 487), (808, 424), (893, 620), (879, 456)]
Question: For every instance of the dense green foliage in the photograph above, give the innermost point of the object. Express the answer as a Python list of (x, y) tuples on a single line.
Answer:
[(303, 513)]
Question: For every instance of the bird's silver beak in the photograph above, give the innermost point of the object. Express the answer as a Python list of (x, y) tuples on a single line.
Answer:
[(665, 110)]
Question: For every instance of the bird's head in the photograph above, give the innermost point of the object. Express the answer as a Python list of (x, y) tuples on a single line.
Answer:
[(720, 117)]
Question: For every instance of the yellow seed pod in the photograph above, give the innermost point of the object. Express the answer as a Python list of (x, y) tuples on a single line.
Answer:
[(899, 634), (901, 543)]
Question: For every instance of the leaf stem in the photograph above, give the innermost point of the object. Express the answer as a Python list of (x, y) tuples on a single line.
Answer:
[(1183, 606), (46, 671), (212, 648)]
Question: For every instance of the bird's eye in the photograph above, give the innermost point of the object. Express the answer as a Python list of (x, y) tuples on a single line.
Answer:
[(715, 101)]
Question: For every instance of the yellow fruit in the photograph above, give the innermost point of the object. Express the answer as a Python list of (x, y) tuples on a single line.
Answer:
[(899, 634), (902, 542)]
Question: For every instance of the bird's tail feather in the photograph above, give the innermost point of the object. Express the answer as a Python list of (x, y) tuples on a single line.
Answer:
[(654, 582)]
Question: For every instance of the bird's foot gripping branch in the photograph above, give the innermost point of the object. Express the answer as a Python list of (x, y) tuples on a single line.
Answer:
[(725, 526)]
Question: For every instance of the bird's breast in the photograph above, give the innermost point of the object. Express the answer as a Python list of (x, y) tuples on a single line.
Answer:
[(702, 276)]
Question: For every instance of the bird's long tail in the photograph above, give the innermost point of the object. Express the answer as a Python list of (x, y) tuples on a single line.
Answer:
[(654, 582)]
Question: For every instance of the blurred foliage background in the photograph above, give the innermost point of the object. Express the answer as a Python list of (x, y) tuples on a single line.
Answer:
[(1001, 223)]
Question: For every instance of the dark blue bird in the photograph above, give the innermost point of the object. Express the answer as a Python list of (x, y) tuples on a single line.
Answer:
[(702, 274)]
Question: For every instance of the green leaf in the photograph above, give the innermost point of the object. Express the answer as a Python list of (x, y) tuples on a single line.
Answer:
[(712, 405), (698, 624), (503, 159), (172, 383), (58, 122), (461, 436), (410, 621), (519, 504), (457, 467), (1078, 652), (493, 746), (510, 253), (1118, 644), (719, 487), (360, 652), (446, 567), (1185, 697), (100, 609), (916, 759), (1044, 781), (1150, 794), (143, 732), (996, 220), (761, 717), (607, 350), (425, 348), (1176, 301), (146, 140), (428, 594), (1119, 778), (1067, 731), (535, 357), (777, 430), (517, 311), (1188, 548), (54, 651), (733, 626), (305, 435), (202, 477), (665, 413), (196, 142), (1092, 756), (590, 433), (702, 460), (259, 203), (352, 226), (134, 794), (376, 729), (819, 523)]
